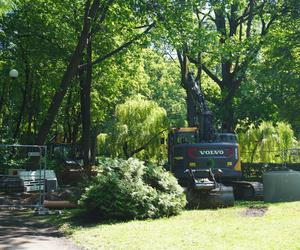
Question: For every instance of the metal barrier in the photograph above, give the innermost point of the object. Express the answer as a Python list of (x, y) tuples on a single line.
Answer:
[(290, 155), (22, 175), (255, 171), (283, 160)]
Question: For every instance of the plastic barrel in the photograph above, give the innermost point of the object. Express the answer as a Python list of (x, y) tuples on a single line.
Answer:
[(280, 186)]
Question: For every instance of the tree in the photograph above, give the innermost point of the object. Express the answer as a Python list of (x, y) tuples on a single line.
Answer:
[(4, 6), (164, 85), (31, 20), (25, 28), (92, 13), (139, 125), (221, 39), (278, 71), (95, 16), (267, 143)]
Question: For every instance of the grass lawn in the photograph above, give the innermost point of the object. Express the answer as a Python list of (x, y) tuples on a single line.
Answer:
[(266, 226)]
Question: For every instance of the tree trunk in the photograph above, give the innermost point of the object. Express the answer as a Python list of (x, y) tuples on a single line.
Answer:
[(190, 104), (2, 97), (68, 117), (94, 134), (90, 13), (75, 128), (85, 100), (227, 118), (21, 112), (30, 107)]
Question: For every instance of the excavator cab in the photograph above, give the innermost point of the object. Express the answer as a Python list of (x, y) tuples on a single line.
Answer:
[(185, 150), (179, 136), (183, 135)]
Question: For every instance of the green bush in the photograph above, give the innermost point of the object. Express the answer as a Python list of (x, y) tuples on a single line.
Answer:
[(127, 189)]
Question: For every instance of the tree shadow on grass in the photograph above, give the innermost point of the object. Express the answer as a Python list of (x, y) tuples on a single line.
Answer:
[(16, 228), (75, 218)]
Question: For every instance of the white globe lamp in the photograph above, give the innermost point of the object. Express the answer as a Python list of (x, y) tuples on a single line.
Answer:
[(13, 73)]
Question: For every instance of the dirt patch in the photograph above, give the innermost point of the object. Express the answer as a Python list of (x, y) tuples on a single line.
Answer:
[(19, 199), (255, 211), (25, 199)]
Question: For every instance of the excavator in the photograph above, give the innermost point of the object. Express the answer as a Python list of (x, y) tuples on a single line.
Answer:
[(206, 163)]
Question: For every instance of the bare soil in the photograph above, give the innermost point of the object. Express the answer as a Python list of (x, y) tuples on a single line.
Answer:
[(31, 199), (255, 211)]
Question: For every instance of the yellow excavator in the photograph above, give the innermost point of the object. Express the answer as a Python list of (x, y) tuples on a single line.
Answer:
[(206, 163)]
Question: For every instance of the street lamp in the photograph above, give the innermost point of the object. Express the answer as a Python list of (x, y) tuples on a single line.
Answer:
[(13, 73)]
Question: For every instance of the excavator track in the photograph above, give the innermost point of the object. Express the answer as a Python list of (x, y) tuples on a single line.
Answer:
[(245, 190)]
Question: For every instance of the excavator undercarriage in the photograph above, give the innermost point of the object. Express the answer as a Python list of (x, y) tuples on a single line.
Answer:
[(207, 192)]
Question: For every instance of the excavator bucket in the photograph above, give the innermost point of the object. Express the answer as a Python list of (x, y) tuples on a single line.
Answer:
[(221, 196)]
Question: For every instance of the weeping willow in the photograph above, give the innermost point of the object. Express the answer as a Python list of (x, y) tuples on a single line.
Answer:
[(139, 125), (267, 143)]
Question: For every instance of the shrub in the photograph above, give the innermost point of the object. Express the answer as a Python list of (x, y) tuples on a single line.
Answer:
[(127, 189)]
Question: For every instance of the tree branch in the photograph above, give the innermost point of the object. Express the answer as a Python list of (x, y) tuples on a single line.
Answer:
[(208, 15), (207, 71), (101, 16), (117, 50), (249, 22), (179, 56), (132, 153)]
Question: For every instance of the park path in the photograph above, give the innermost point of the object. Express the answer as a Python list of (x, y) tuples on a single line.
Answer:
[(20, 232)]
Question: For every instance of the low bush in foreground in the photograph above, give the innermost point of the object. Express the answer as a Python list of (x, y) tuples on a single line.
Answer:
[(128, 189)]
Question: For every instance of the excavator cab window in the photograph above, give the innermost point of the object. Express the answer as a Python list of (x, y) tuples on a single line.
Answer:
[(187, 137)]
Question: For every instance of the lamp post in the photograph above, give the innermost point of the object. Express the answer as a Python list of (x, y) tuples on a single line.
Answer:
[(13, 74)]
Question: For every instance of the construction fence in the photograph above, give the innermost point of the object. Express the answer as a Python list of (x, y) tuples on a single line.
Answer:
[(255, 171), (256, 163), (291, 155), (24, 178)]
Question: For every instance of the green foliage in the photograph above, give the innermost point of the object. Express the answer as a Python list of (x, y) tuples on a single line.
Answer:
[(277, 74), (267, 143), (5, 5), (137, 130), (38, 37), (164, 85), (56, 165), (131, 190), (10, 158), (224, 45)]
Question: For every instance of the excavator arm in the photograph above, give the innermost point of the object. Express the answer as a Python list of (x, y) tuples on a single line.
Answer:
[(204, 119)]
